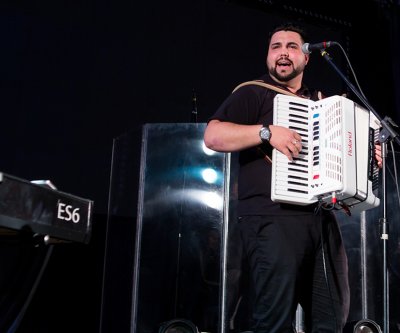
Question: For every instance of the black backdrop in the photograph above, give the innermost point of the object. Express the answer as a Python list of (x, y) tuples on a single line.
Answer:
[(76, 74)]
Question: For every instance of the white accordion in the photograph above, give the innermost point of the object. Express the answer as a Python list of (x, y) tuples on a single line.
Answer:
[(336, 160)]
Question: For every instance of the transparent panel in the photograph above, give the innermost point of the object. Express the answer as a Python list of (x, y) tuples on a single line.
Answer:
[(179, 253)]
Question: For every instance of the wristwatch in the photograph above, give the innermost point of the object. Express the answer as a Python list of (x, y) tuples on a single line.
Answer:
[(265, 134)]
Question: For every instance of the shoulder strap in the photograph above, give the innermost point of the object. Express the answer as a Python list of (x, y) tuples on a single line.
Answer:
[(265, 85)]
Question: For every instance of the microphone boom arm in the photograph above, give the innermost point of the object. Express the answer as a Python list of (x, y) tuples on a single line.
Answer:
[(387, 123)]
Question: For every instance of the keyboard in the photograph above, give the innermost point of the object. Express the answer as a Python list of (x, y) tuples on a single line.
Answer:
[(43, 210)]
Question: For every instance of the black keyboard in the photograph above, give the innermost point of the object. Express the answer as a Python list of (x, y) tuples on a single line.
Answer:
[(44, 211)]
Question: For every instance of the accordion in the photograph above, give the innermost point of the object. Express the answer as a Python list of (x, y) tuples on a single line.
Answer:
[(336, 162)]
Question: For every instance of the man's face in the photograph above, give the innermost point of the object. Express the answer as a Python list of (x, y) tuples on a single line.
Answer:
[(285, 59)]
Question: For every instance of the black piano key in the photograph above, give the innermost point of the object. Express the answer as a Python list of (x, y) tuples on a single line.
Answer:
[(296, 190), (296, 183)]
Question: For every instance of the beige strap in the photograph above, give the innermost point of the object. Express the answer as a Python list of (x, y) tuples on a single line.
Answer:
[(265, 85)]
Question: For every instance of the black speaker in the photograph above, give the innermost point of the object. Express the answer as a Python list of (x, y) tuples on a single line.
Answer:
[(367, 326), (178, 326)]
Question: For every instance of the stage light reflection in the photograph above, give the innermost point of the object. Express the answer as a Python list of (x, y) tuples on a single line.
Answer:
[(208, 151), (209, 175), (209, 198)]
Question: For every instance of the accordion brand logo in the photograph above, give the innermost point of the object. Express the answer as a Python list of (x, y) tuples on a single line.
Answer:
[(349, 143)]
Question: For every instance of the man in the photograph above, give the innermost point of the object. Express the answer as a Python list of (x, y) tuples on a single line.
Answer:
[(294, 255)]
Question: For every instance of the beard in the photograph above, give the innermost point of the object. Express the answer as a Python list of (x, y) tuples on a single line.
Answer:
[(284, 77)]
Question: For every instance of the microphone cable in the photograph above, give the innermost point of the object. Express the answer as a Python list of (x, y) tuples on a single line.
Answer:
[(328, 285), (326, 277), (395, 176), (351, 70)]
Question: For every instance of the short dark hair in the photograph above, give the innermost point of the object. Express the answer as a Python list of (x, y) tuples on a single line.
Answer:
[(289, 26)]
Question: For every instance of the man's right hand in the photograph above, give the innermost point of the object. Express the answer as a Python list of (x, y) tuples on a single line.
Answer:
[(287, 141)]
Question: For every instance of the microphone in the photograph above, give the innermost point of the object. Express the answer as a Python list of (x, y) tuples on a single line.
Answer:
[(307, 48)]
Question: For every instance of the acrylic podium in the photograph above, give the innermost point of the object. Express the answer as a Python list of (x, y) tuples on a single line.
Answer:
[(175, 213), (181, 214)]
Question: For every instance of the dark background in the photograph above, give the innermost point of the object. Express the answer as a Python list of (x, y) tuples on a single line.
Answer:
[(74, 75)]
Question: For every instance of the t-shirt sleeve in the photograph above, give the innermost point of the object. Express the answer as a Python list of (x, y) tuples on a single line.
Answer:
[(241, 107)]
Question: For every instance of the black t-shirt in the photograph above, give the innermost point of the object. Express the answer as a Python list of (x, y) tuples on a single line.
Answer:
[(250, 105)]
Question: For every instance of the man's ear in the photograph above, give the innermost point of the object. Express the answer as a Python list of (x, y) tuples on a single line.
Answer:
[(307, 57)]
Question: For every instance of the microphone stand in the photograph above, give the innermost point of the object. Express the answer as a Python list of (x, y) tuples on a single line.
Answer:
[(386, 133)]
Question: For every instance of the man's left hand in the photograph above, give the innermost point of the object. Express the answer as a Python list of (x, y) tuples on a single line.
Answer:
[(378, 154)]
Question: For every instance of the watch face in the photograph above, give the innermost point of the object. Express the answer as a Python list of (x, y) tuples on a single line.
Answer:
[(265, 134)]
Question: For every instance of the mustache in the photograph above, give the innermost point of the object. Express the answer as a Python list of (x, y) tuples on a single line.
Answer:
[(283, 60)]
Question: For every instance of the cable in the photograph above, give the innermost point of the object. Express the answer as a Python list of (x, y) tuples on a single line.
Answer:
[(396, 183), (322, 205), (18, 319), (326, 272), (351, 69), (395, 177)]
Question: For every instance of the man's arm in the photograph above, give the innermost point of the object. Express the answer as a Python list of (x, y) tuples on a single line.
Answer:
[(225, 136)]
